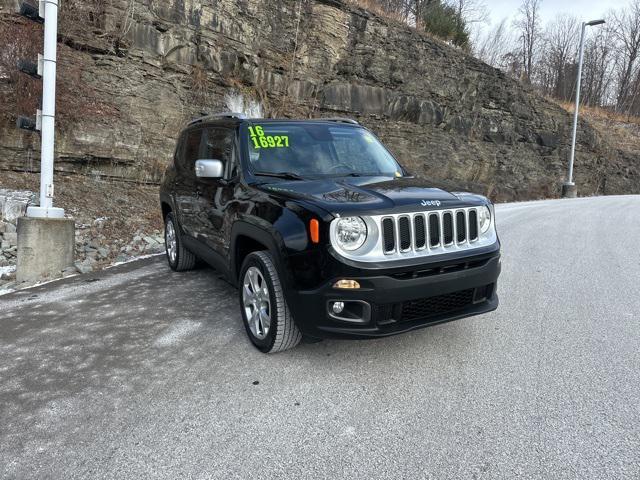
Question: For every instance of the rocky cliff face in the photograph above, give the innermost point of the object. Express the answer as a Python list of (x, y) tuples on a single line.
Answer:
[(153, 65)]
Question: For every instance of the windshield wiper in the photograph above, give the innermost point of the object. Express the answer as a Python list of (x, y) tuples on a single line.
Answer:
[(286, 175), (357, 174)]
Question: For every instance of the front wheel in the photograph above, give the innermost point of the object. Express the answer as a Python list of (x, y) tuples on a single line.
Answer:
[(179, 258), (265, 313)]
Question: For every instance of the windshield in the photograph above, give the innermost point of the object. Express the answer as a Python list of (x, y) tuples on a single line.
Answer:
[(316, 149)]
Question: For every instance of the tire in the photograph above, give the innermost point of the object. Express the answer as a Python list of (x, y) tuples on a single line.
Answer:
[(179, 258), (282, 333)]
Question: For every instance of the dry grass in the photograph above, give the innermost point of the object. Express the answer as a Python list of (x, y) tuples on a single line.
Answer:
[(623, 131), (200, 86), (598, 113), (374, 7)]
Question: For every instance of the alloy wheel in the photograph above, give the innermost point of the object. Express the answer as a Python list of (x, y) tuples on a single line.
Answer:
[(171, 241), (256, 302)]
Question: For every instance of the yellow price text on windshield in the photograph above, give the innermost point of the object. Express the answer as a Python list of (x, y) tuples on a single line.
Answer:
[(260, 140)]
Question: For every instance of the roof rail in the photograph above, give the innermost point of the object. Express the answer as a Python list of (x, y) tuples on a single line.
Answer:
[(340, 120), (210, 116)]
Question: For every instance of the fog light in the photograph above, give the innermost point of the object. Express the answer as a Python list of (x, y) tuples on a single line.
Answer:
[(357, 311), (338, 307), (346, 284)]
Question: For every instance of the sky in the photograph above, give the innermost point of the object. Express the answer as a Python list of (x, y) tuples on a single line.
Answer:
[(584, 10)]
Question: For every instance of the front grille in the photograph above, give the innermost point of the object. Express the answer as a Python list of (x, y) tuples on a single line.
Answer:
[(388, 233), (438, 305), (461, 227), (434, 230), (418, 231), (388, 314), (405, 233), (447, 228), (473, 225)]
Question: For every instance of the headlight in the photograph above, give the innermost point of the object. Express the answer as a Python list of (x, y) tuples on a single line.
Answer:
[(351, 232), (484, 218)]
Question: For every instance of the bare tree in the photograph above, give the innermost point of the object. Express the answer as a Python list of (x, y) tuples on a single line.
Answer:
[(634, 101), (400, 9), (528, 25), (408, 11), (545, 56), (418, 9), (470, 11), (560, 47), (599, 67), (627, 32), (495, 45)]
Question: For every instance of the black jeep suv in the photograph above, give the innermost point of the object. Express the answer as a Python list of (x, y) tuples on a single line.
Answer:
[(323, 232)]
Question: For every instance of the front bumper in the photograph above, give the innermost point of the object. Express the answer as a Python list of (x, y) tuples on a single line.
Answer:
[(401, 301)]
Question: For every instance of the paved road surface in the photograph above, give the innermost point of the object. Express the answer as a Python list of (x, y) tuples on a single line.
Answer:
[(140, 373)]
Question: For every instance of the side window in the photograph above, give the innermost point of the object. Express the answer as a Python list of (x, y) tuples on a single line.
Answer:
[(189, 155), (192, 147), (178, 150), (218, 145)]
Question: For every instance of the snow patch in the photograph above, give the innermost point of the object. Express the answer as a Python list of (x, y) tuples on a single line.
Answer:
[(237, 103), (133, 259), (7, 270)]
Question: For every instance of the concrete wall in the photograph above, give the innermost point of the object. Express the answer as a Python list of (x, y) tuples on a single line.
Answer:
[(45, 247)]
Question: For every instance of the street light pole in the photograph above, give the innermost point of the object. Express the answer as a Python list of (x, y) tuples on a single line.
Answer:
[(569, 189), (46, 239), (49, 9)]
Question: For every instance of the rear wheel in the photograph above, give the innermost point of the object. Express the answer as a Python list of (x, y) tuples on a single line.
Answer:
[(265, 313), (179, 258)]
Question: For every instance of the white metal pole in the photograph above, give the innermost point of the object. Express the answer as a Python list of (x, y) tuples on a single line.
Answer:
[(48, 114), (575, 113)]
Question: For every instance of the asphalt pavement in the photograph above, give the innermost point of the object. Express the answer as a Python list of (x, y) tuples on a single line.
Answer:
[(138, 372)]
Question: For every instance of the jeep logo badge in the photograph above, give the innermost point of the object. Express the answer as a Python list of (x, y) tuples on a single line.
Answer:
[(433, 203)]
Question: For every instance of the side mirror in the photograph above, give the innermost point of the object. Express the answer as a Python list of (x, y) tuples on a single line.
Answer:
[(209, 169)]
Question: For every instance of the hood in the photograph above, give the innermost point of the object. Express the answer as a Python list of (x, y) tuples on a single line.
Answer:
[(373, 195)]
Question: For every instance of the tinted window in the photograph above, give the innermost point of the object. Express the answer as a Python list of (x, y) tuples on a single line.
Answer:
[(218, 144), (190, 150), (317, 149)]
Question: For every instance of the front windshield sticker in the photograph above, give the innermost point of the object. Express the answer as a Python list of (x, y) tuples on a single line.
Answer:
[(260, 140)]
